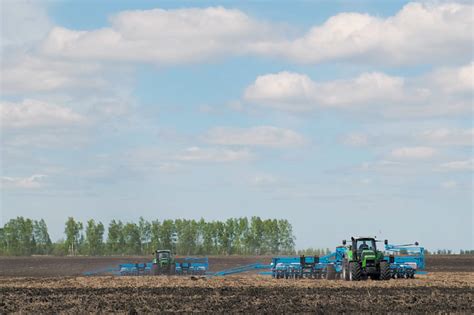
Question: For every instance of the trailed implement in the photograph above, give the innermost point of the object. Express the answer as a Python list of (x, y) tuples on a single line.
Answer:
[(405, 260), (192, 266), (358, 260), (313, 267), (164, 263)]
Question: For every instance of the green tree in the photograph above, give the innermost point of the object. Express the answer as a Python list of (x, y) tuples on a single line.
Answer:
[(131, 234), (18, 237), (115, 238), (166, 234), (155, 231), (74, 236), (44, 245), (94, 238), (144, 228), (287, 240)]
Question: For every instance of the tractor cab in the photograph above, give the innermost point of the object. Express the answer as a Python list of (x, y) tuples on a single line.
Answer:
[(163, 263), (163, 254), (363, 244), (162, 257)]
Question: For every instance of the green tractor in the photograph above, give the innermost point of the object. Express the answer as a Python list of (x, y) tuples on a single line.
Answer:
[(362, 260), (163, 263)]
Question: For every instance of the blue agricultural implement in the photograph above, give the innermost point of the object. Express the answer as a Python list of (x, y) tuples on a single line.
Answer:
[(405, 260), (356, 261), (165, 264)]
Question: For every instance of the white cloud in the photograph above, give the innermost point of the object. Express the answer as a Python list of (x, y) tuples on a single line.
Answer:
[(31, 73), (356, 140), (297, 92), (23, 22), (418, 33), (255, 136), (34, 113), (413, 153), (164, 36), (34, 181), (213, 155), (449, 184), (461, 165), (446, 136), (454, 80), (387, 95)]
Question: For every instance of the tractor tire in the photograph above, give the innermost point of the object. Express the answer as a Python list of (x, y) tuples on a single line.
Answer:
[(345, 271), (155, 270), (172, 269), (330, 272), (385, 273), (355, 271)]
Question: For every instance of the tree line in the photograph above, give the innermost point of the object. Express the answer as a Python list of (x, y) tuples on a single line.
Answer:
[(242, 236)]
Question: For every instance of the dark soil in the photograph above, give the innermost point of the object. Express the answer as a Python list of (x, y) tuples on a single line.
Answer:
[(394, 296), (47, 266)]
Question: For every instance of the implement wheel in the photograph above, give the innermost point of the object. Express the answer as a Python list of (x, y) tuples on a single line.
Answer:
[(330, 272), (385, 273), (355, 271)]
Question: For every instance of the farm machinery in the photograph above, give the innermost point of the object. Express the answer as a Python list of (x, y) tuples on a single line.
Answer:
[(362, 260), (356, 261), (405, 260), (164, 263)]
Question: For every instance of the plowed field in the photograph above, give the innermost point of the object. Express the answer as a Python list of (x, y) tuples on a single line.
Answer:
[(447, 289)]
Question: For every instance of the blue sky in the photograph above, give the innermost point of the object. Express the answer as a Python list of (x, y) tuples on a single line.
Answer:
[(343, 117)]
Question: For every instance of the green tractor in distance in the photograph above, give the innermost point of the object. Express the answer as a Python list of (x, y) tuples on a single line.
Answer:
[(363, 260), (163, 263)]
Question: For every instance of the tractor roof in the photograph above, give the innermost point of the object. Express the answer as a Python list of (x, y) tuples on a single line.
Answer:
[(364, 238)]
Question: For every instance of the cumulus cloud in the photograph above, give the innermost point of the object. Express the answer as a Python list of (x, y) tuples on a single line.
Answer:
[(413, 153), (297, 92), (34, 113), (418, 33), (461, 165), (34, 181), (257, 136), (23, 22), (213, 155), (454, 80), (163, 36), (26, 72), (382, 93)]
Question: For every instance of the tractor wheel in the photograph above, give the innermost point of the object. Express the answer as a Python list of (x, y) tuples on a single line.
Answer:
[(330, 272), (172, 269), (385, 273), (155, 270), (345, 271), (355, 272)]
